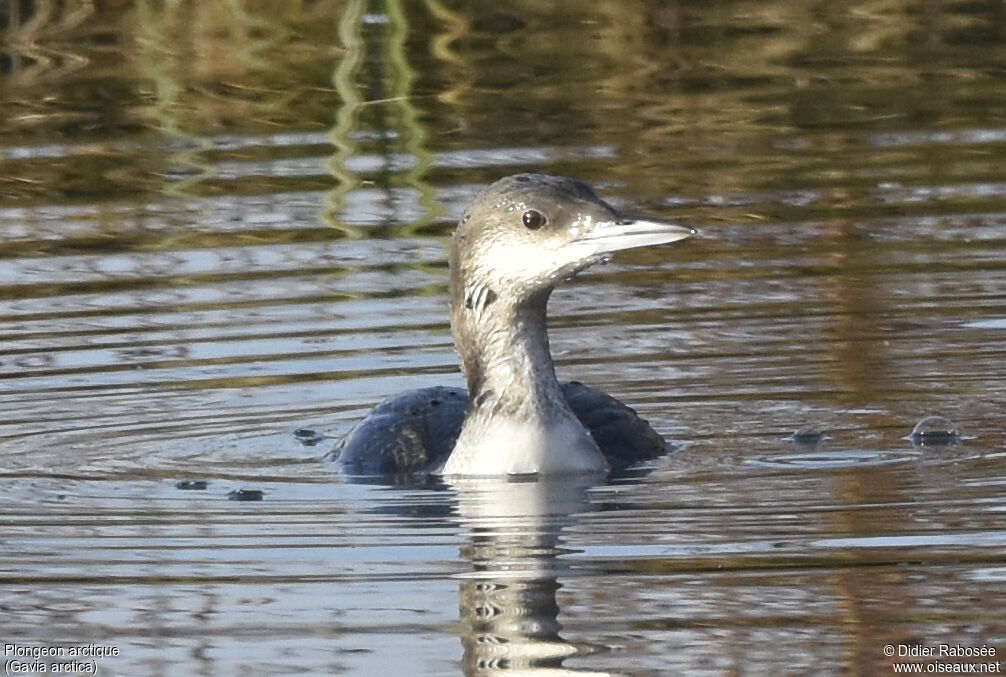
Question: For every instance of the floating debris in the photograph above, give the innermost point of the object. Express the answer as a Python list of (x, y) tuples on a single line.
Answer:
[(192, 485), (308, 437), (246, 495), (934, 430), (808, 436)]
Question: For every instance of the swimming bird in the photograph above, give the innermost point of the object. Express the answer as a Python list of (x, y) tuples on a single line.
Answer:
[(521, 237)]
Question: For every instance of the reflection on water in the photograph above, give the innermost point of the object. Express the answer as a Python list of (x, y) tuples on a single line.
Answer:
[(509, 612), (221, 223)]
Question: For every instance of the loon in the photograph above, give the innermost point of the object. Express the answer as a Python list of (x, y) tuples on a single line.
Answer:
[(521, 237)]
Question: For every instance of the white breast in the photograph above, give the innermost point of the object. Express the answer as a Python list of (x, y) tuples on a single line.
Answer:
[(504, 446)]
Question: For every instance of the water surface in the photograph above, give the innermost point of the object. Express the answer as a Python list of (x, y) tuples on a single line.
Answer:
[(223, 224)]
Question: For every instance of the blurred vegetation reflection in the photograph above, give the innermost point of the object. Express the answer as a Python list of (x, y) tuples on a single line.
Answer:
[(186, 97)]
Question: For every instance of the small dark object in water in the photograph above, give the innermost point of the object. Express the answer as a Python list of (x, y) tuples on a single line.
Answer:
[(192, 485), (808, 436), (246, 495), (934, 430), (308, 437)]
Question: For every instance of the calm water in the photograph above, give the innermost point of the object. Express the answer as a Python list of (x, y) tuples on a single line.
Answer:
[(221, 223)]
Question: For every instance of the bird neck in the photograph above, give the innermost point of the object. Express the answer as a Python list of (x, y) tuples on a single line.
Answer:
[(518, 420), (505, 353)]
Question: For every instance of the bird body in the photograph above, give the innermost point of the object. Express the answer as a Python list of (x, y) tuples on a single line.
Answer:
[(520, 238), (415, 432)]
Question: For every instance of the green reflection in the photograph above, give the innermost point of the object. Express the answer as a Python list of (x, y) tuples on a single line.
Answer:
[(411, 117), (378, 56), (346, 116)]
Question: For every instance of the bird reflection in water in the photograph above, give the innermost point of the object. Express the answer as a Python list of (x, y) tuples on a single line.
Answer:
[(509, 611)]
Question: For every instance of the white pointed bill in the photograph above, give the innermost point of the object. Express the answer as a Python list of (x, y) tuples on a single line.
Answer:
[(629, 232)]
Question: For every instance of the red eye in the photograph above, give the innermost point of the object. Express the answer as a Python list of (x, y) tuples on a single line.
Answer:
[(533, 219)]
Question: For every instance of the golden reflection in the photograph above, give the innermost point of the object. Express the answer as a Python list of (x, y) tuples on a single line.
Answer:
[(457, 26), (28, 37), (696, 79), (158, 39)]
